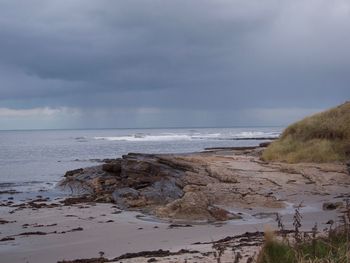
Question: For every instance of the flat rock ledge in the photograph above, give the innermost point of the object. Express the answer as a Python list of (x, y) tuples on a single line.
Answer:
[(206, 186)]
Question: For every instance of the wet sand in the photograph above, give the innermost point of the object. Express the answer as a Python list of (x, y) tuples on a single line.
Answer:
[(82, 231)]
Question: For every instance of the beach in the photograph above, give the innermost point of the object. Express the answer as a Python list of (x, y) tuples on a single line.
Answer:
[(174, 131), (51, 230)]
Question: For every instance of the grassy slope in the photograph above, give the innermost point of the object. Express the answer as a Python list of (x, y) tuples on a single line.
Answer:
[(323, 137)]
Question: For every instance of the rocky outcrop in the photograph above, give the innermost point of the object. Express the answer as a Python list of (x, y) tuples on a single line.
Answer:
[(136, 180), (211, 185)]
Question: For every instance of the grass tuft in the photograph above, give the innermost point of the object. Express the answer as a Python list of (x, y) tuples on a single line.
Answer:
[(275, 251)]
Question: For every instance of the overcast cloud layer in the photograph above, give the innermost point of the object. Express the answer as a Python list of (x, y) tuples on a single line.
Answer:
[(81, 63)]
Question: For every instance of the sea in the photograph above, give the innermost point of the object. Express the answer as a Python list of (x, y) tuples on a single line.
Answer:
[(33, 161)]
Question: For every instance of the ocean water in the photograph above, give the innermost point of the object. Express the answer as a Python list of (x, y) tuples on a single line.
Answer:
[(32, 161)]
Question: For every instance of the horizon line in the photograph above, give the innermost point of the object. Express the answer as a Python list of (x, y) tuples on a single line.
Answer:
[(147, 128)]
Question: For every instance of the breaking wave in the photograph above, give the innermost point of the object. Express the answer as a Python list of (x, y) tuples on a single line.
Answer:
[(246, 135), (138, 138)]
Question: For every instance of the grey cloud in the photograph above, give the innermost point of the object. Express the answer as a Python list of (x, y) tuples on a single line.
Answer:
[(196, 55)]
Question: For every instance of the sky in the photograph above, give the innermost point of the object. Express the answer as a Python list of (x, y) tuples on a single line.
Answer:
[(183, 63)]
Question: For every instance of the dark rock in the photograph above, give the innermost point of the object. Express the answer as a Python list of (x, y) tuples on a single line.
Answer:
[(332, 206), (7, 239), (112, 166), (86, 260), (256, 138), (178, 225), (155, 253), (2, 222), (108, 160), (73, 172), (76, 200), (330, 222), (76, 229), (264, 144), (39, 233), (237, 148), (9, 192)]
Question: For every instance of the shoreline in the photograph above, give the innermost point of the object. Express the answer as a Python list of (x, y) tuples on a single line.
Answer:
[(82, 231), (49, 231)]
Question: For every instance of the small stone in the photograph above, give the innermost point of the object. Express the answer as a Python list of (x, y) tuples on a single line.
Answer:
[(332, 206), (221, 214)]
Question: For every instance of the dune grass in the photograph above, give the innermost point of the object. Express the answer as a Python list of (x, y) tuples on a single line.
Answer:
[(323, 137), (274, 251), (333, 248), (332, 245)]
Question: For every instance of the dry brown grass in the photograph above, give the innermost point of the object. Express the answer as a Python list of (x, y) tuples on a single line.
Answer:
[(331, 246), (323, 137)]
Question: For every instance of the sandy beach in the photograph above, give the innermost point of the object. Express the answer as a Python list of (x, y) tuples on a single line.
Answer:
[(82, 231), (43, 230)]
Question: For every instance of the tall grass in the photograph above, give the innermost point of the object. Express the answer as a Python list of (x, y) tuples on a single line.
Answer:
[(332, 247), (323, 137), (274, 251)]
